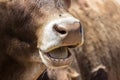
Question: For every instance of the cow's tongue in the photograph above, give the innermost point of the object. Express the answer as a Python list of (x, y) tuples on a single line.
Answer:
[(60, 53)]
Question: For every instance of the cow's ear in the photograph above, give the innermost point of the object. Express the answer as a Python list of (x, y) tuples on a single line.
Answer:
[(67, 3)]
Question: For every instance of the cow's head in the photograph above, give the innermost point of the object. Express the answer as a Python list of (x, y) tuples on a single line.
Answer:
[(55, 30), (59, 32)]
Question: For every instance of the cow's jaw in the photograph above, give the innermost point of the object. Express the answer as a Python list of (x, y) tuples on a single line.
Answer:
[(59, 57)]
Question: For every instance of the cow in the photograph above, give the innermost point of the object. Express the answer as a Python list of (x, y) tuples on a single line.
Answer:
[(35, 35)]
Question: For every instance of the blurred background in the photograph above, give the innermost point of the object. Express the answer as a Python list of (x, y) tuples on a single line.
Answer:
[(98, 58)]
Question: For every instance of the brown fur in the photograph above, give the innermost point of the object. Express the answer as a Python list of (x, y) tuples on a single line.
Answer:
[(19, 22)]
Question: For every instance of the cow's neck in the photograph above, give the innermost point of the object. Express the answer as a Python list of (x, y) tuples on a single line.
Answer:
[(33, 71), (11, 70)]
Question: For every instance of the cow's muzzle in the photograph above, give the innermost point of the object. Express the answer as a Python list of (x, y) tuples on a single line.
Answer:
[(70, 34)]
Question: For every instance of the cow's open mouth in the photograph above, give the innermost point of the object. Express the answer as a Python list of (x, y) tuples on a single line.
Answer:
[(58, 57), (59, 53)]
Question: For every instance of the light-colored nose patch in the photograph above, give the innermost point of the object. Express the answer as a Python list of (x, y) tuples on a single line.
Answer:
[(64, 21), (50, 39)]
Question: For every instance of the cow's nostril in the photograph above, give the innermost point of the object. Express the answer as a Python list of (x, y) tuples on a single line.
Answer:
[(59, 29)]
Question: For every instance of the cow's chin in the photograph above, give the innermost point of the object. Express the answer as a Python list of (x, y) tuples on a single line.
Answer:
[(57, 58)]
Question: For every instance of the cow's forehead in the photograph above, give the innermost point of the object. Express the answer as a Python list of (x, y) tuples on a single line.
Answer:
[(48, 3), (48, 7)]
